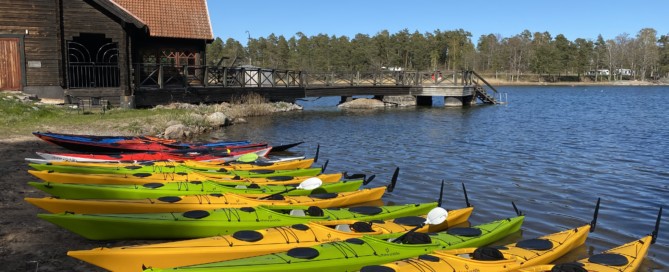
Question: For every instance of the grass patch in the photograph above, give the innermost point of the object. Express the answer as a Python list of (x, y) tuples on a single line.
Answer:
[(20, 118)]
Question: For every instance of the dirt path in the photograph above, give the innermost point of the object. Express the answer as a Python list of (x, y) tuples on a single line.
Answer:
[(26, 242)]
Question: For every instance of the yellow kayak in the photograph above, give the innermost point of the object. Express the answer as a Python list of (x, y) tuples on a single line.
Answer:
[(510, 257), (625, 258), (227, 166), (250, 243), (145, 178), (201, 202)]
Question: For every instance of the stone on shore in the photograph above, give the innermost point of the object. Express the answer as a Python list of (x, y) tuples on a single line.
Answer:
[(362, 103), (177, 131), (217, 119)]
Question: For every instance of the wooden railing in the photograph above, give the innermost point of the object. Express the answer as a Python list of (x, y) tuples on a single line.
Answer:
[(165, 76)]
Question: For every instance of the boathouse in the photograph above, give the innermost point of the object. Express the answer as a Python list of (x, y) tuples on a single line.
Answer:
[(92, 49)]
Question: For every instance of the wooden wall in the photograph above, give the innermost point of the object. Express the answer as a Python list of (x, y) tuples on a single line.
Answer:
[(37, 20)]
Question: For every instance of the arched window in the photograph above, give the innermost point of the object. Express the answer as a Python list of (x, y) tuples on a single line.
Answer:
[(92, 62)]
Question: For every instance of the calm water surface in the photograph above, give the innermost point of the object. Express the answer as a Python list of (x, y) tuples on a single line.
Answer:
[(551, 150)]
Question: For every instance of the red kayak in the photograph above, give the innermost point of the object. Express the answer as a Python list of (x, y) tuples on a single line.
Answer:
[(155, 156), (115, 144)]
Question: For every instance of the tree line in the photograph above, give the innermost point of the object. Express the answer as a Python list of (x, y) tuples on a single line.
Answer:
[(643, 56)]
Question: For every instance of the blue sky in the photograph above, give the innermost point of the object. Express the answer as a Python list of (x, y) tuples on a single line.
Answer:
[(572, 18)]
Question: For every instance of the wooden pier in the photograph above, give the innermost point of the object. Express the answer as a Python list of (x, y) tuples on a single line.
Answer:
[(162, 84)]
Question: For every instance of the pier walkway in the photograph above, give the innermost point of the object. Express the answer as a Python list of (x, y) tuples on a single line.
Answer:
[(162, 84)]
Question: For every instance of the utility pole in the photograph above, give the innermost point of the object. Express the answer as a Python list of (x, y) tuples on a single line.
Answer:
[(248, 47)]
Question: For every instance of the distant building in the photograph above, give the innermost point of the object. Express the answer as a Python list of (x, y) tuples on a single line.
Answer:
[(94, 48), (600, 72), (623, 72)]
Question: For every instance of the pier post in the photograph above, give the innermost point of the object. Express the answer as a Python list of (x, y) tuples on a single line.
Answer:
[(424, 100), (345, 99)]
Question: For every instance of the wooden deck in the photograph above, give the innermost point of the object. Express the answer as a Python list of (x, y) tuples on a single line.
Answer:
[(163, 85)]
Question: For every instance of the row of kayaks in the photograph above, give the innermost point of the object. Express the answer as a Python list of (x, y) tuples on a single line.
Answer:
[(251, 213)]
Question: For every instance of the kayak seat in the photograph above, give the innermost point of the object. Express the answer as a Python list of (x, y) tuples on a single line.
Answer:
[(569, 267), (412, 221), (324, 195), (197, 182), (280, 178), (303, 253), (133, 167), (535, 244), (182, 173), (429, 258), (153, 185), (247, 209), (141, 175), (196, 214), (297, 212), (300, 227), (416, 238), (262, 163), (315, 211), (148, 163), (362, 227), (276, 197), (355, 241), (608, 259), (343, 228), (247, 235), (254, 186), (240, 186), (487, 254), (377, 268), (467, 232), (366, 210), (262, 171), (169, 199)]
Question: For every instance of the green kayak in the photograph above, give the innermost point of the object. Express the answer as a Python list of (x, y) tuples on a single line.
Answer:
[(354, 253), (135, 169), (200, 223), (156, 190)]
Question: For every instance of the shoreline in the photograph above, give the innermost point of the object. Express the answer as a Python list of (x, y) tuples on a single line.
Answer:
[(565, 83)]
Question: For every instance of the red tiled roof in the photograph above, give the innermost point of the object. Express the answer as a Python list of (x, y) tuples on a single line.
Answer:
[(172, 18)]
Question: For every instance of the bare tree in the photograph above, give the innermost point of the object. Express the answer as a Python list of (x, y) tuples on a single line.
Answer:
[(647, 39)]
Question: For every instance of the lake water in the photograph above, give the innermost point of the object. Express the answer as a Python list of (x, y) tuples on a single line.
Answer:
[(551, 150)]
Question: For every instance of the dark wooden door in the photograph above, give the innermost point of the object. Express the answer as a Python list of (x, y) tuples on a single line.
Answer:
[(10, 68)]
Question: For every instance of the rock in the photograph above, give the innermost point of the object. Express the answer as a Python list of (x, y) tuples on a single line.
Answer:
[(240, 120), (285, 106), (362, 103), (400, 100), (177, 131), (217, 119)]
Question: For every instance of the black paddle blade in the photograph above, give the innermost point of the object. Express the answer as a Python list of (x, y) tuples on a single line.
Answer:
[(354, 176), (367, 181), (657, 227), (396, 173), (518, 212), (393, 181), (280, 148), (593, 223), (325, 166), (466, 197), (441, 194), (318, 151)]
